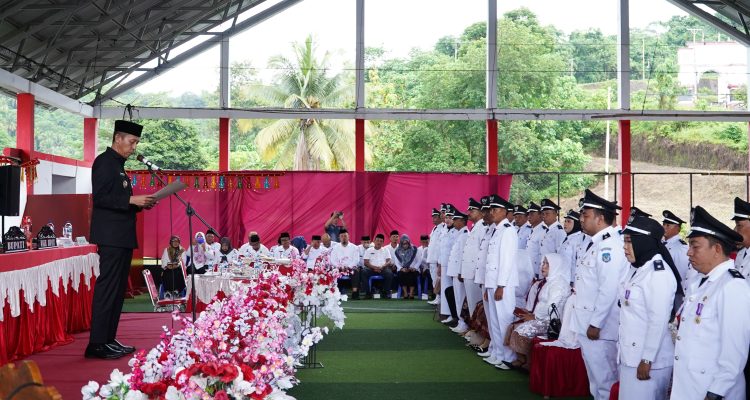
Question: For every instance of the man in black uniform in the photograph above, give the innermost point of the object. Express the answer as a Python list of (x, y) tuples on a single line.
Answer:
[(113, 230)]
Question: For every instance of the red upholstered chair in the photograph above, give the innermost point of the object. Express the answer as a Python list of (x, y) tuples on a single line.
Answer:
[(557, 372), (161, 305)]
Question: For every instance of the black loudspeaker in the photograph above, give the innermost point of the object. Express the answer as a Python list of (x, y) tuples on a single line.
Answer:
[(10, 190)]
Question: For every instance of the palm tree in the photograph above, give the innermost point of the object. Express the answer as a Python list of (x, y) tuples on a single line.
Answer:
[(307, 144)]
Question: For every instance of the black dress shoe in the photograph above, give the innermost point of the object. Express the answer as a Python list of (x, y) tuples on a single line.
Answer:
[(103, 351), (121, 347)]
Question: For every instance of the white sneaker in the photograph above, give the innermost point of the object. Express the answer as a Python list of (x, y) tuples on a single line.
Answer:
[(503, 365), (492, 360), (435, 302), (485, 354), (447, 320), (461, 328)]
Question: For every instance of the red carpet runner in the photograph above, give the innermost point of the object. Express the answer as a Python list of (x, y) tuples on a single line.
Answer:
[(66, 369)]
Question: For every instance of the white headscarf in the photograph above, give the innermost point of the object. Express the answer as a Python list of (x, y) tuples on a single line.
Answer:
[(557, 268)]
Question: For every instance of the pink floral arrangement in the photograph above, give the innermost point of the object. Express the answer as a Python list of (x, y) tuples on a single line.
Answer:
[(246, 346)]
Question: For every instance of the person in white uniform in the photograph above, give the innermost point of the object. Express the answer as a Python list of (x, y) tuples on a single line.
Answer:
[(313, 251), (284, 249), (454, 267), (571, 246), (741, 220), (254, 249), (713, 334), (365, 243), (483, 343), (470, 256), (433, 249), (554, 232), (447, 301), (677, 247), (501, 280), (522, 224), (533, 245), (646, 299), (600, 270)]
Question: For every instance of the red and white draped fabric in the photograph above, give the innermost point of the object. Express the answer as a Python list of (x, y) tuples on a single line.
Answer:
[(45, 296), (372, 202)]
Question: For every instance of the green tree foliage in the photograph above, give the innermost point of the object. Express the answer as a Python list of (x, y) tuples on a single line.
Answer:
[(171, 144), (307, 144), (594, 56)]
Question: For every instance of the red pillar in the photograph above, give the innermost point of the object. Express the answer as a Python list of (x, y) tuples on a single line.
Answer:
[(25, 129), (90, 131), (359, 145), (223, 144), (623, 152), (492, 163)]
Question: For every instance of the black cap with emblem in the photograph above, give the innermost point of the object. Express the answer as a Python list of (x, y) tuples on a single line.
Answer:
[(704, 224), (498, 202), (643, 225), (533, 207), (520, 210), (638, 212), (435, 211), (449, 210), (670, 218), (459, 215), (485, 202), (573, 215), (548, 204), (591, 200), (128, 127), (474, 205), (741, 209)]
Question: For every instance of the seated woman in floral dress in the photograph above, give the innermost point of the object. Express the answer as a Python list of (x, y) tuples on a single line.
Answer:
[(554, 288)]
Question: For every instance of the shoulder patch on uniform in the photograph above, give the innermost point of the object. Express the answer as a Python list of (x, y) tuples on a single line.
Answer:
[(682, 241), (658, 265), (559, 227), (606, 236), (507, 225), (606, 254), (735, 273)]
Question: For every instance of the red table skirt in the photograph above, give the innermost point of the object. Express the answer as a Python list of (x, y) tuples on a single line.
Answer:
[(557, 372), (46, 327), (32, 258)]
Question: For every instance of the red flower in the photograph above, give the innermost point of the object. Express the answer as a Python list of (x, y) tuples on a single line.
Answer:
[(221, 395), (228, 373), (247, 372), (209, 369), (152, 390)]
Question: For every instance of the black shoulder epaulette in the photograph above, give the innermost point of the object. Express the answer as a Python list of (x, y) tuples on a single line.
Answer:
[(682, 241), (559, 227), (658, 265), (507, 225), (606, 236), (735, 273)]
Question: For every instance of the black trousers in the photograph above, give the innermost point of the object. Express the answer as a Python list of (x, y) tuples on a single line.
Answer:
[(109, 293)]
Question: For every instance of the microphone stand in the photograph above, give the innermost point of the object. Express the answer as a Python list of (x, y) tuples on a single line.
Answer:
[(190, 212)]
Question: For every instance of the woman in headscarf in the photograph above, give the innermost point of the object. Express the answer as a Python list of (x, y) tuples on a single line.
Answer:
[(407, 265), (553, 289), (173, 259), (571, 245), (647, 304), (227, 254), (203, 254)]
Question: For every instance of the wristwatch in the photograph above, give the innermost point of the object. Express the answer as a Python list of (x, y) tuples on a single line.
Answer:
[(647, 362)]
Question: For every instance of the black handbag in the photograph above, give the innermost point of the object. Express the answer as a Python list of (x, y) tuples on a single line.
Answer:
[(555, 324)]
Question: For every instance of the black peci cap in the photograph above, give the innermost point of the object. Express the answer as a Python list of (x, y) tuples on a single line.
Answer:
[(128, 127)]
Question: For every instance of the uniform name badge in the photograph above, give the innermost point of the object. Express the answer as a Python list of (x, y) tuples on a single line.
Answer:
[(627, 297)]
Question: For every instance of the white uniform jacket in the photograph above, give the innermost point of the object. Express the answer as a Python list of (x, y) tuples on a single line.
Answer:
[(457, 251), (481, 264), (446, 243), (713, 337), (678, 250), (533, 246), (570, 249), (471, 250), (501, 257), (554, 235), (742, 262), (247, 251), (646, 298), (598, 275), (524, 232), (433, 249)]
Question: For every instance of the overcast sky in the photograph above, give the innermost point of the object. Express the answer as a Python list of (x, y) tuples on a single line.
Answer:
[(396, 25)]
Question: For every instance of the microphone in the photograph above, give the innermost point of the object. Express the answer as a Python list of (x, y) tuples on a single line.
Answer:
[(148, 163)]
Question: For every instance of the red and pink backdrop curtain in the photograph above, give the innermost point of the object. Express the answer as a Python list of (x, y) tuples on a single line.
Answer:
[(372, 202)]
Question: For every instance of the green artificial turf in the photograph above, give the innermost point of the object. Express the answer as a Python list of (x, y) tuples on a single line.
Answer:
[(394, 349)]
